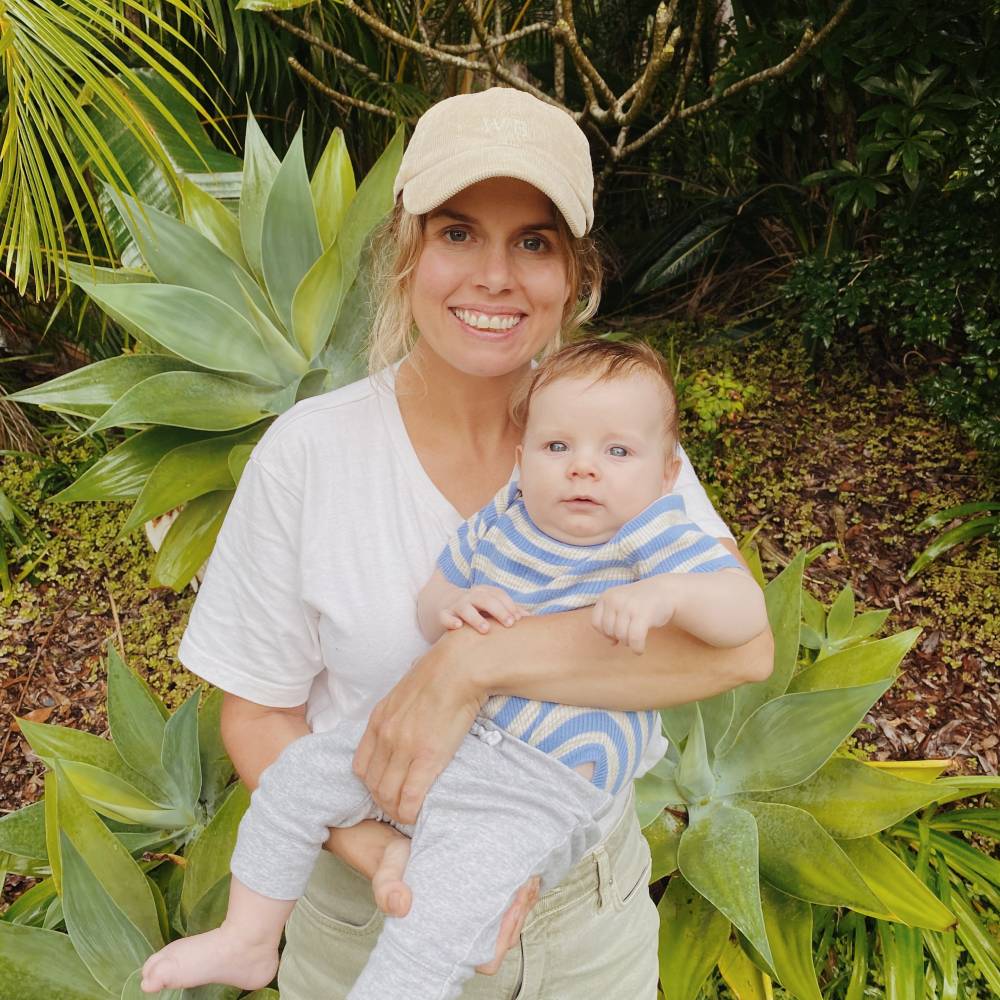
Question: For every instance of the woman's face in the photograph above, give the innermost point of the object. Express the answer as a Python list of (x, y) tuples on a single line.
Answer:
[(490, 285)]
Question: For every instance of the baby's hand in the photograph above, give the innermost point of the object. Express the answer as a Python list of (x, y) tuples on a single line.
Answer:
[(626, 614), (471, 605)]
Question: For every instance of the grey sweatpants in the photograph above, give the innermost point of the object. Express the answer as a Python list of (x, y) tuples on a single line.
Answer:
[(501, 812)]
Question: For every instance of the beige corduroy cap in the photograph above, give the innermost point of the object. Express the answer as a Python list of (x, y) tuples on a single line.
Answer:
[(500, 132)]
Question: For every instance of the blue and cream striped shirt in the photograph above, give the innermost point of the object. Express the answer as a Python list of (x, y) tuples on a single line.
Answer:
[(500, 546)]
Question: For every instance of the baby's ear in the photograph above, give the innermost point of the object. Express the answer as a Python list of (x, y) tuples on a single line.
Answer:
[(670, 472)]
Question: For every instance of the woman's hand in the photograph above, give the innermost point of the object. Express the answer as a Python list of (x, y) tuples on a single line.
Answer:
[(414, 731)]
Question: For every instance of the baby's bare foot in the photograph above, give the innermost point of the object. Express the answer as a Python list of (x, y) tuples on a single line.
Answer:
[(218, 956), (392, 894)]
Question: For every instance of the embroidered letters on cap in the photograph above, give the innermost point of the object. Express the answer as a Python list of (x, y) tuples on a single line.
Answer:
[(511, 131)]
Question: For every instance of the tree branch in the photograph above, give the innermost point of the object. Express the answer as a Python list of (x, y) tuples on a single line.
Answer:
[(809, 41), (324, 45), (340, 99)]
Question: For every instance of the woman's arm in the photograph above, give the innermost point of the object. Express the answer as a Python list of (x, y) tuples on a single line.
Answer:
[(414, 731)]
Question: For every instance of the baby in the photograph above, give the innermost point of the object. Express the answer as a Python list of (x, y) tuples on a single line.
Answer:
[(589, 522)]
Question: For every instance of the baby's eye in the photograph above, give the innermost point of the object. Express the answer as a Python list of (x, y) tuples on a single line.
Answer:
[(556, 446), (618, 451)]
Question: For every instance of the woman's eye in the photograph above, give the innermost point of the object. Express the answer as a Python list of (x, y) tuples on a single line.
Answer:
[(448, 233), (618, 451), (537, 243), (556, 446)]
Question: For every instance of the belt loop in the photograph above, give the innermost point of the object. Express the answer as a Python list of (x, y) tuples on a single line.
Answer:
[(605, 880)]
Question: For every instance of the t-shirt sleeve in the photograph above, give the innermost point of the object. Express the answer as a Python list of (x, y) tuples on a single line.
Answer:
[(250, 632), (665, 540), (696, 502), (455, 561)]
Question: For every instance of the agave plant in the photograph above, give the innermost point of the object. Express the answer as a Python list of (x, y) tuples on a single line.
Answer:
[(132, 840), (236, 318), (762, 820)]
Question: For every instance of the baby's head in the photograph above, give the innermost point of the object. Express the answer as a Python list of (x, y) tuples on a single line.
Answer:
[(600, 438)]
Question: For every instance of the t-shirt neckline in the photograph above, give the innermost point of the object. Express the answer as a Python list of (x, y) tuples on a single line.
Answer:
[(403, 446)]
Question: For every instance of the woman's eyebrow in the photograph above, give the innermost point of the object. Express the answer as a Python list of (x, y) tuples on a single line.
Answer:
[(547, 225)]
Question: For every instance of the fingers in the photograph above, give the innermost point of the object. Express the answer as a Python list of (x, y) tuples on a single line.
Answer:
[(422, 774), (480, 603), (513, 924), (386, 790)]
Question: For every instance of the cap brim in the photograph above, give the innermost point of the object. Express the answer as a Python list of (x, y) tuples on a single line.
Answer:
[(437, 183)]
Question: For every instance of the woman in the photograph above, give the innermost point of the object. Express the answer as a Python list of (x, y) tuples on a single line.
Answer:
[(306, 615)]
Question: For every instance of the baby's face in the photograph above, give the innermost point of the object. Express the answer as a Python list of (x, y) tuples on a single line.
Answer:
[(594, 455)]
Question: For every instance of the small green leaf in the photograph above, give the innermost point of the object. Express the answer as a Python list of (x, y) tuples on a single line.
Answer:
[(859, 665), (838, 623), (656, 789), (137, 718), (694, 775), (664, 837), (189, 541), (180, 757), (260, 167)]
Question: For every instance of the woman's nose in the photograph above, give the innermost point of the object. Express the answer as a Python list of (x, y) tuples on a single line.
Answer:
[(495, 274)]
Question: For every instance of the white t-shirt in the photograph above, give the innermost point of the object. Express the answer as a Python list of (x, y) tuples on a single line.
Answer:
[(310, 592)]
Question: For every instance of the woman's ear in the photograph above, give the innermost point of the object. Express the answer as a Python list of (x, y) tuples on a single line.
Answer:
[(518, 452)]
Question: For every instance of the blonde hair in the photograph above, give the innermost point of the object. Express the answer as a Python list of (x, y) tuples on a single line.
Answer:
[(606, 360), (396, 246)]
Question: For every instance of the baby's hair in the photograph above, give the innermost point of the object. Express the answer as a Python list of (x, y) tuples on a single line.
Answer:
[(605, 360)]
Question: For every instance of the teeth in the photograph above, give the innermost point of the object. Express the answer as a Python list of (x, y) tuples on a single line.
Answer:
[(484, 322)]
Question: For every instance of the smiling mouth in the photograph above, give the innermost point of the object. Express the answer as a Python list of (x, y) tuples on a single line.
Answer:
[(495, 324)]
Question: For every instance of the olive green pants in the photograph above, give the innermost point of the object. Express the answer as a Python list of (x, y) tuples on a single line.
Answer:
[(593, 936)]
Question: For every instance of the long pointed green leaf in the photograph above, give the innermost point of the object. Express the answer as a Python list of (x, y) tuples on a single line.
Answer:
[(121, 473), (663, 836), (371, 203), (180, 255), (718, 856), (89, 391), (36, 963), (741, 975), (213, 220), (978, 942), (692, 935), (789, 926), (260, 167), (812, 725), (694, 775), (189, 399), (188, 472), (137, 718), (290, 241), (903, 894), (862, 664), (851, 799), (190, 539), (101, 852), (317, 301), (53, 743), (192, 324), (180, 757), (332, 186), (109, 944), (801, 859), (118, 800), (783, 596)]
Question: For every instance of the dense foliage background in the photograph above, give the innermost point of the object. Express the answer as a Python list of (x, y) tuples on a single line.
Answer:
[(801, 212)]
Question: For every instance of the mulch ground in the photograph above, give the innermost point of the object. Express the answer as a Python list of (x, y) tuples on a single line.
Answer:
[(850, 455)]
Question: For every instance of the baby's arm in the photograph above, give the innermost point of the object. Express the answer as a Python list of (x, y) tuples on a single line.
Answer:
[(722, 608), (442, 605)]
